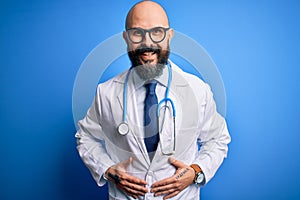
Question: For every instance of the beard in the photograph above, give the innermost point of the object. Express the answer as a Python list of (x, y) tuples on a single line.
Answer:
[(149, 71)]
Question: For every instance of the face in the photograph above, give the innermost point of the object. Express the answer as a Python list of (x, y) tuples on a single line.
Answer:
[(148, 57)]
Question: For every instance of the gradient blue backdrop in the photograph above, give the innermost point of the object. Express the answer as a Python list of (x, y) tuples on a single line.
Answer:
[(255, 45)]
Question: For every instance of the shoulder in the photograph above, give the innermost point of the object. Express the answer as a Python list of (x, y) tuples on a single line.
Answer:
[(191, 79), (112, 85), (198, 88)]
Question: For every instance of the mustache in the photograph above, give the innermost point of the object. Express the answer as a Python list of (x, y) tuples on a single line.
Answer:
[(145, 49)]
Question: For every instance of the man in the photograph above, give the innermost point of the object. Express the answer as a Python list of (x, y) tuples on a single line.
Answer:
[(141, 154)]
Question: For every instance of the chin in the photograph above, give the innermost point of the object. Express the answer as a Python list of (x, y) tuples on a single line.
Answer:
[(149, 63)]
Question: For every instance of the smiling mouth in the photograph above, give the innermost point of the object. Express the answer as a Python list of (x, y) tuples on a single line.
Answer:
[(148, 57)]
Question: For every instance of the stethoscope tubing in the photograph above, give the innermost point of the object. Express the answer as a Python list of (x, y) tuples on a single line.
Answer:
[(123, 128), (125, 96)]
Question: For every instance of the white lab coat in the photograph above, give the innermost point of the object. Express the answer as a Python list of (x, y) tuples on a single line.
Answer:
[(101, 146)]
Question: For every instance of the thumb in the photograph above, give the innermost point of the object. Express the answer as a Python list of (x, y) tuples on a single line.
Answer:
[(176, 163), (124, 164)]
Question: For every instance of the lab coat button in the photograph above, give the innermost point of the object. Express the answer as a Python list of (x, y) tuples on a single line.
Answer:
[(148, 196), (150, 173)]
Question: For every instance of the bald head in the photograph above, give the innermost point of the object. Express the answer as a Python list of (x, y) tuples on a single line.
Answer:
[(146, 14)]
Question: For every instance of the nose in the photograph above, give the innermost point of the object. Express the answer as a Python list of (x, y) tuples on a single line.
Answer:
[(147, 40)]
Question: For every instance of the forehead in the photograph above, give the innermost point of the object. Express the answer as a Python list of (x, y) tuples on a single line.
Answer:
[(147, 15), (148, 22)]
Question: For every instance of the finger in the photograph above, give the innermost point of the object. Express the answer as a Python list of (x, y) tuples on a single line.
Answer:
[(137, 188), (122, 166), (130, 189), (129, 194), (176, 163), (165, 190), (173, 194), (133, 179), (126, 163), (163, 182)]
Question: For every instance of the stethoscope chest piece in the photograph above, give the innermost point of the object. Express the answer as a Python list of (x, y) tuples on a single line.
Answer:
[(123, 128)]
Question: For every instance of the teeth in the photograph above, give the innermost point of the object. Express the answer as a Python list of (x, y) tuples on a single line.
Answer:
[(148, 53)]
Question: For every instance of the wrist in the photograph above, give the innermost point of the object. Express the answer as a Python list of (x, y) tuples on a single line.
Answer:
[(199, 175), (105, 175)]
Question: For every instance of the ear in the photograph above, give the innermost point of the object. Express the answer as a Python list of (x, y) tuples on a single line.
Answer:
[(170, 34), (125, 37)]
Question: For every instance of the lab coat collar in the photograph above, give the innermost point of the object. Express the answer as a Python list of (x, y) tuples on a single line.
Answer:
[(163, 79)]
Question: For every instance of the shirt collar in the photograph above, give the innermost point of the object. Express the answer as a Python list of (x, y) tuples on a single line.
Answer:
[(162, 79)]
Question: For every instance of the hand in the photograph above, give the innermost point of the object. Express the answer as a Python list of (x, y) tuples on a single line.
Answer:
[(131, 185), (173, 185)]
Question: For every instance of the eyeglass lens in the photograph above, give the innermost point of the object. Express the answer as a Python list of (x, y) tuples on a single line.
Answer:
[(137, 35)]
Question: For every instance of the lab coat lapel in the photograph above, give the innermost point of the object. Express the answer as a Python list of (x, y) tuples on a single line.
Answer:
[(179, 83), (132, 117)]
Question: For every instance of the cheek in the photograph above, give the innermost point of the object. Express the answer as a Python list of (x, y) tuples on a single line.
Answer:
[(164, 45), (132, 46)]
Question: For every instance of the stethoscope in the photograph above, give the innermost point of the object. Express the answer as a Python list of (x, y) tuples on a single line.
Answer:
[(123, 128)]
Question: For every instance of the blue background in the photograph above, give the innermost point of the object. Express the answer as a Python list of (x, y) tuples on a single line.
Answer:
[(255, 45)]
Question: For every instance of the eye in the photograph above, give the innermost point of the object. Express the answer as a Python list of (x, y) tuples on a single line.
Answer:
[(157, 31), (136, 32)]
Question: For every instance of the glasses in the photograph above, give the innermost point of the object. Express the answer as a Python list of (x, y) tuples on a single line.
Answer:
[(137, 35)]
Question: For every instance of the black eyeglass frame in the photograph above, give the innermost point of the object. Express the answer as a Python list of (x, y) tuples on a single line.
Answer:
[(144, 31)]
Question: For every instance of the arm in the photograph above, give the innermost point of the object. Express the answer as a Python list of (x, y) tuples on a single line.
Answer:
[(91, 142), (92, 150), (213, 138)]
